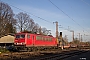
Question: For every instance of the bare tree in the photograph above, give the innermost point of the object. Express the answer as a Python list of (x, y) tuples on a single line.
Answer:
[(31, 25), (44, 31), (6, 18), (40, 32), (35, 28), (23, 21)]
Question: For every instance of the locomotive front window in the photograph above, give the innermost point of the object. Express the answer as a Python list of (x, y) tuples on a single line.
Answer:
[(20, 36), (17, 36)]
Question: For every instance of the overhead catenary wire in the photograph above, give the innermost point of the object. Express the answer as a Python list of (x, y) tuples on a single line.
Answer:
[(85, 2), (66, 14), (29, 13), (43, 18)]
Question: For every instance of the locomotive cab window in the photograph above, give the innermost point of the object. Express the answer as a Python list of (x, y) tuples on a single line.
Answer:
[(28, 36), (20, 36), (17, 36)]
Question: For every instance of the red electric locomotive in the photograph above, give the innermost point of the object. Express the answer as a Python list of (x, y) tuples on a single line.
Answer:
[(28, 41)]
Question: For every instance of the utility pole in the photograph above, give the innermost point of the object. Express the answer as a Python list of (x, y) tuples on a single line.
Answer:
[(56, 29), (79, 36), (56, 32), (79, 39), (72, 34), (84, 37)]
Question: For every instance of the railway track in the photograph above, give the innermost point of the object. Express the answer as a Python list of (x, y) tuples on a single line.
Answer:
[(62, 56), (44, 55)]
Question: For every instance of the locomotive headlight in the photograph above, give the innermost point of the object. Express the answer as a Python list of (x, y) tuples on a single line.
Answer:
[(23, 43), (15, 43), (19, 43)]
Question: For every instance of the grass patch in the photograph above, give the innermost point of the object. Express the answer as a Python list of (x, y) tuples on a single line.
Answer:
[(4, 50)]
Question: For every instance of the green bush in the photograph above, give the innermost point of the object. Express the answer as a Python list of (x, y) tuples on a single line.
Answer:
[(3, 50)]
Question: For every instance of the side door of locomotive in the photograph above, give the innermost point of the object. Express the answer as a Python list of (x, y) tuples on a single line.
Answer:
[(29, 40), (33, 40)]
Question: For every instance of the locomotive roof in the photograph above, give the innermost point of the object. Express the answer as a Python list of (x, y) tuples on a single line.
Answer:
[(34, 34)]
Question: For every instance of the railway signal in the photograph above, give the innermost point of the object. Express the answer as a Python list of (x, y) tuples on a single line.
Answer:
[(61, 41)]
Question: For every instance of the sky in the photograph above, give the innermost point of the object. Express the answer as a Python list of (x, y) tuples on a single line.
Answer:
[(70, 15)]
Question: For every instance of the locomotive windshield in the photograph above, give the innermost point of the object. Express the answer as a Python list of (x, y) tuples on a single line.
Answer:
[(20, 36)]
